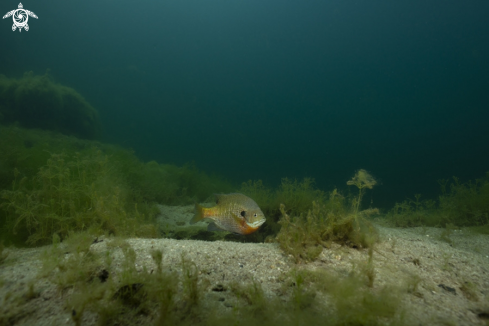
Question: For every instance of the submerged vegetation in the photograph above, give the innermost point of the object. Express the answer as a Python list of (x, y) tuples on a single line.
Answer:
[(361, 180), (459, 205), (53, 184), (71, 192), (304, 220), (3, 253), (97, 288), (38, 102), (305, 236), (70, 195)]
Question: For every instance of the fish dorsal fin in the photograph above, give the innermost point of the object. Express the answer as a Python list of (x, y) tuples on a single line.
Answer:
[(222, 198), (235, 197), (218, 198)]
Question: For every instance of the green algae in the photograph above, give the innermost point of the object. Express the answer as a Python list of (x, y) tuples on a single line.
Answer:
[(128, 295), (315, 298), (70, 195), (296, 195), (459, 205), (304, 219), (69, 192), (38, 102), (175, 296), (55, 184), (304, 237), (362, 180), (61, 184), (81, 177), (3, 254)]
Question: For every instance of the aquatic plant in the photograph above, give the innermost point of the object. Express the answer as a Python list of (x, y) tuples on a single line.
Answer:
[(303, 219), (362, 180), (469, 290), (39, 102), (459, 205), (356, 305), (170, 184), (343, 301), (122, 294), (69, 195), (51, 183), (190, 280), (3, 254), (125, 296), (304, 236), (261, 194), (36, 101), (24, 150), (467, 204), (296, 195)]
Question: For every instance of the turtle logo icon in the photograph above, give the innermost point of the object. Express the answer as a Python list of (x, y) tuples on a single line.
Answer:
[(20, 17)]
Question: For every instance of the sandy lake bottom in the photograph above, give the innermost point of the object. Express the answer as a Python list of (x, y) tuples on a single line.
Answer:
[(440, 282)]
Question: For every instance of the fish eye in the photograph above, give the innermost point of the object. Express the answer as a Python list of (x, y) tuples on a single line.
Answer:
[(243, 213), (255, 215)]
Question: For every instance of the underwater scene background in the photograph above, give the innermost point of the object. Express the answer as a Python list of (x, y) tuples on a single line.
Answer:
[(347, 139)]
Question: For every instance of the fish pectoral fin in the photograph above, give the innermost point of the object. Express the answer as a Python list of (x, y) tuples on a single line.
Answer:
[(238, 219), (213, 227)]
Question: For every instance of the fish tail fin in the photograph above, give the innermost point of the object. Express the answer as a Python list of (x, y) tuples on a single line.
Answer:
[(199, 214)]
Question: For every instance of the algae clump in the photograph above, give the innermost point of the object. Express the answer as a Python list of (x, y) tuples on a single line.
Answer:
[(304, 220), (38, 102), (3, 254), (52, 183), (362, 180), (459, 205), (67, 195), (304, 236)]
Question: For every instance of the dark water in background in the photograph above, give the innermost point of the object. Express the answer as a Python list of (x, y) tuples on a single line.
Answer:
[(268, 89)]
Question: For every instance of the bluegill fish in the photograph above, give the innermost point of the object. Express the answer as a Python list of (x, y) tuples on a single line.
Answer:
[(233, 212)]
